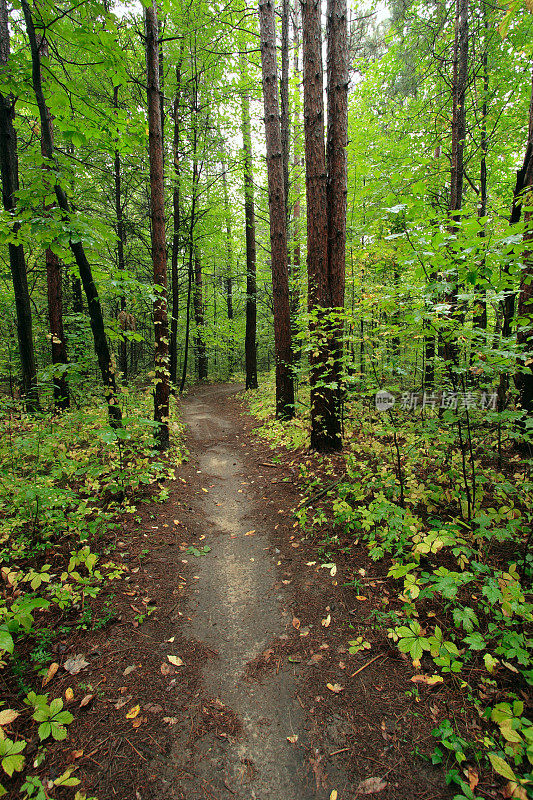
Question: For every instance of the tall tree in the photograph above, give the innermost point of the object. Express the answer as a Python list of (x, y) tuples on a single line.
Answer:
[(157, 211), (337, 195), (250, 346), (93, 301), (317, 221), (176, 216), (278, 219), (17, 261)]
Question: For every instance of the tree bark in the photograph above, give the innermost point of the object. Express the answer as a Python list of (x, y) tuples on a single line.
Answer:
[(93, 301), (278, 221), (337, 197), (228, 276), (524, 377), (284, 99), (297, 165), (121, 262), (459, 86), (176, 215), (199, 317), (250, 346), (17, 261), (157, 210)]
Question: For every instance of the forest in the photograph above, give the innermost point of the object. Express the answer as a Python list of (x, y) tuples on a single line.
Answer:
[(296, 238)]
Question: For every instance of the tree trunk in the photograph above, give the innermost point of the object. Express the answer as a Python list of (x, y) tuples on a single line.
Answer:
[(278, 226), (228, 277), (337, 195), (459, 86), (297, 165), (199, 317), (284, 100), (17, 262), (121, 262), (93, 301), (157, 210), (524, 378), (176, 231), (250, 347)]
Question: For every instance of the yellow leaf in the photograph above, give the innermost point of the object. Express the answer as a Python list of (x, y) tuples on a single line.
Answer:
[(69, 695), (333, 795), (326, 622), (335, 687), (176, 660), (360, 597), (515, 791), (292, 739), (501, 767), (132, 713)]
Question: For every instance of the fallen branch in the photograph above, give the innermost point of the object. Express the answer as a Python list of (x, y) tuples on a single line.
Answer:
[(357, 671)]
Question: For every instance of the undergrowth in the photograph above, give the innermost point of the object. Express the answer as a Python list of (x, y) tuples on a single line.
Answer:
[(66, 483), (450, 521)]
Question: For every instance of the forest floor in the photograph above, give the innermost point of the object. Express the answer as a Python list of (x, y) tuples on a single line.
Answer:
[(239, 684)]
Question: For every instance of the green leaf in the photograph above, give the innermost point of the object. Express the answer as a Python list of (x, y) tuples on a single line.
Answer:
[(501, 767), (6, 641)]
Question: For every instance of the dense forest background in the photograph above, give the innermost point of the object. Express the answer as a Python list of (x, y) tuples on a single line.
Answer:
[(174, 194)]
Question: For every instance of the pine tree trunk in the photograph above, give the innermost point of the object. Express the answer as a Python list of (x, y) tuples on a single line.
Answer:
[(277, 211), (93, 301), (250, 346), (17, 261), (337, 196), (297, 165), (157, 210), (285, 121)]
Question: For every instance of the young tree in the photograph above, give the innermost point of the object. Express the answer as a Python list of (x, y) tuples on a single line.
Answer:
[(17, 261), (93, 301), (157, 210), (278, 219), (250, 346)]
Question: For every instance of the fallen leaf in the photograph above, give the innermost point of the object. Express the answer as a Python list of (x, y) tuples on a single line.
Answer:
[(69, 695), (371, 786), (129, 670), (473, 778), (428, 680), (132, 713), (315, 658), (77, 753), (86, 700), (166, 669), (292, 739), (75, 664), (514, 791), (139, 721), (8, 716), (333, 795), (170, 720), (176, 660), (327, 621), (52, 669), (304, 632), (295, 659), (249, 533), (335, 687), (123, 701), (360, 597), (296, 623)]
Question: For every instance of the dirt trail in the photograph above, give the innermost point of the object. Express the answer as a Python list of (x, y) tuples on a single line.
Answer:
[(236, 611)]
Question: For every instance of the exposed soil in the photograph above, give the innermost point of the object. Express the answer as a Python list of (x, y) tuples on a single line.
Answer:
[(261, 629)]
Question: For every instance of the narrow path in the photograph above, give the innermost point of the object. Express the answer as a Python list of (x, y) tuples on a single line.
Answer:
[(236, 611)]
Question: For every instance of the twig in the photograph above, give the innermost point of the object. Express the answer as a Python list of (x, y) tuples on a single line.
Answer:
[(269, 465), (336, 752), (134, 748), (357, 671)]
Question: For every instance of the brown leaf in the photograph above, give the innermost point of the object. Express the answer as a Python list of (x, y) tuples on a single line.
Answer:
[(77, 754), (69, 695), (327, 621), (170, 720), (166, 669), (296, 623), (293, 739), (473, 778), (335, 687), (52, 669), (515, 791), (86, 700), (371, 786), (8, 716), (427, 680), (75, 664)]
